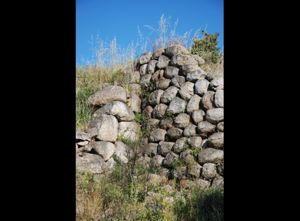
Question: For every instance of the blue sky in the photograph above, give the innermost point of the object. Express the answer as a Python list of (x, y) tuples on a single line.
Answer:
[(121, 19)]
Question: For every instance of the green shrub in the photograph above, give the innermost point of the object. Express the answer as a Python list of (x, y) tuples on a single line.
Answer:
[(206, 47)]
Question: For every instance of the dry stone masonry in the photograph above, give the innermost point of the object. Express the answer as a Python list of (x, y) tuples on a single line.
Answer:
[(183, 108)]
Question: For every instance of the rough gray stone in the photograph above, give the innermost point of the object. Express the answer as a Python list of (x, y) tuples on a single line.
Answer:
[(176, 106), (129, 130), (187, 157), (169, 159), (190, 68), (182, 120), (144, 161), (164, 84), (177, 81), (154, 97), (194, 170), (151, 66), (145, 80), (183, 59), (180, 145), (215, 115), (166, 123), (187, 90), (150, 149), (91, 163), (206, 127), (118, 109), (106, 126), (159, 111), (220, 126), (122, 151), (169, 95), (219, 98), (193, 104), (209, 171), (147, 112), (190, 130), (82, 143), (145, 58), (158, 75), (217, 83), (82, 136), (174, 133), (135, 103), (104, 149), (216, 140), (176, 49), (107, 95), (208, 100), (157, 135), (196, 75), (201, 86), (218, 182), (197, 116), (164, 147), (210, 155), (157, 160), (195, 142), (158, 52), (143, 69), (163, 61), (171, 72), (220, 168)]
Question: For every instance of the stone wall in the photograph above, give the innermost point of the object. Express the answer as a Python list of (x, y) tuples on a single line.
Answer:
[(183, 108)]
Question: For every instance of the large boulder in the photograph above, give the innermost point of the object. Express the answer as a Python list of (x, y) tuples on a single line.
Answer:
[(210, 155), (193, 104), (104, 149), (174, 133), (129, 130), (201, 86), (197, 116), (196, 75), (176, 49), (107, 95), (187, 90), (164, 147), (117, 108), (123, 152), (154, 97), (216, 140), (219, 98), (209, 171), (215, 115), (151, 66), (106, 126), (177, 105), (180, 145), (92, 163), (205, 127), (190, 130), (145, 58), (208, 100), (157, 135), (163, 61), (159, 111), (171, 72), (169, 95), (182, 120)]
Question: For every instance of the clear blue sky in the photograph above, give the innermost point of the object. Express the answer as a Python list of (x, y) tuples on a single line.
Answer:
[(121, 18)]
